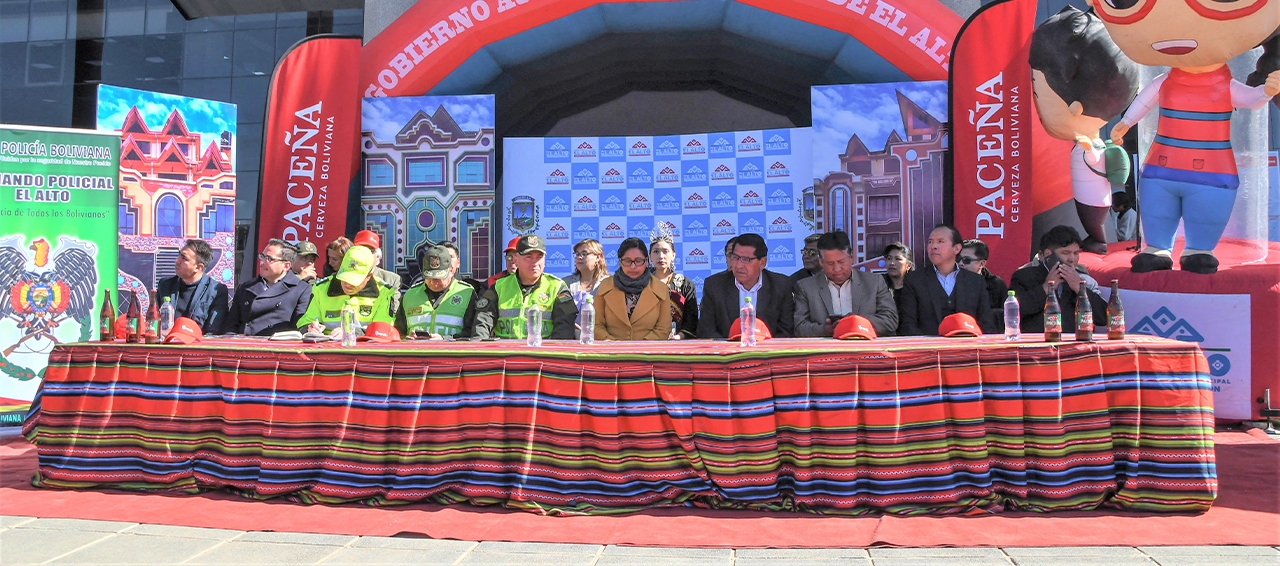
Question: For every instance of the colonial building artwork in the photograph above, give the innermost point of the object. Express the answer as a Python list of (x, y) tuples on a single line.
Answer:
[(431, 182)]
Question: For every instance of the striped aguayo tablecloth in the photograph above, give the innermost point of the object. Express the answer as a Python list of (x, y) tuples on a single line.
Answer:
[(904, 426)]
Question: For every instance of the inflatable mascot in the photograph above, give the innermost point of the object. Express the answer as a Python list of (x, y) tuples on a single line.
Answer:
[(1190, 172), (1081, 81)]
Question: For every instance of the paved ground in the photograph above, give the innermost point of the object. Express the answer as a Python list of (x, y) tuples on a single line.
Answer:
[(25, 540)]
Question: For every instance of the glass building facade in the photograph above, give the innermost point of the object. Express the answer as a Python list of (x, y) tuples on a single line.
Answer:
[(54, 53)]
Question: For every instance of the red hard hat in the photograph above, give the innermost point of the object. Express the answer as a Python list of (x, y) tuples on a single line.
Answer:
[(762, 330), (959, 324), (368, 239)]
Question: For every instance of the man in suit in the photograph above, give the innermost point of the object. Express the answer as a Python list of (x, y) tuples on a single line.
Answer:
[(192, 292), (812, 260), (1058, 262), (770, 292), (973, 257), (275, 299), (942, 289), (838, 291)]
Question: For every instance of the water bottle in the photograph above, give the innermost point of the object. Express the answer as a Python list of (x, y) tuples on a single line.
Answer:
[(533, 327), (167, 316), (1012, 318), (348, 323), (587, 322), (748, 323)]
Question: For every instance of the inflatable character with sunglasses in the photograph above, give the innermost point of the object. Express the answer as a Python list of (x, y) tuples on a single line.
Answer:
[(1190, 172)]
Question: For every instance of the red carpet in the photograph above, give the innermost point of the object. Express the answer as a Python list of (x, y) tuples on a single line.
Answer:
[(1247, 512)]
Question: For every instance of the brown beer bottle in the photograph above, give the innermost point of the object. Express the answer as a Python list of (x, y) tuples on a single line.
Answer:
[(1084, 316), (133, 321), (152, 326), (1052, 315), (107, 319), (1115, 314)]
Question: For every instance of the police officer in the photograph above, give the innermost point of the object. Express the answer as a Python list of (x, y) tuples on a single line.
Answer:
[(354, 280), (304, 263), (500, 312), (275, 300), (439, 307)]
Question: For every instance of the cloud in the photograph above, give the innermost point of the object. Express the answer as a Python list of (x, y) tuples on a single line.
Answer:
[(386, 116), (206, 118), (870, 111)]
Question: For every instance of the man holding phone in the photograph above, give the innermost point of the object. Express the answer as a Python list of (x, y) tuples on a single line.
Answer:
[(839, 291), (1058, 263)]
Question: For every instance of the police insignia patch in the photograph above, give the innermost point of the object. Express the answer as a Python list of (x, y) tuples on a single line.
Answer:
[(366, 310), (564, 296), (543, 296), (456, 299), (482, 303)]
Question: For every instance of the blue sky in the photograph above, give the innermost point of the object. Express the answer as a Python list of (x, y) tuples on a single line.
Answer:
[(205, 117), (385, 116), (869, 110)]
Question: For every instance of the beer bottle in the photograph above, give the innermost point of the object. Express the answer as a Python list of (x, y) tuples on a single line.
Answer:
[(107, 319), (1052, 315), (1115, 314), (1084, 316), (152, 326), (133, 321)]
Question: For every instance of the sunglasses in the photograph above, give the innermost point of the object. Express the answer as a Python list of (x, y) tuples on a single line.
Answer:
[(966, 260)]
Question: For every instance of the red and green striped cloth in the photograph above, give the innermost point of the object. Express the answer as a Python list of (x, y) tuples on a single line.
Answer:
[(904, 426)]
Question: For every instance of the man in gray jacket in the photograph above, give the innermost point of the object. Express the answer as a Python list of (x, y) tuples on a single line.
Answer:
[(839, 291)]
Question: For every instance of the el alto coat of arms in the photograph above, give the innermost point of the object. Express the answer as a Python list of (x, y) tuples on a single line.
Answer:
[(522, 215)]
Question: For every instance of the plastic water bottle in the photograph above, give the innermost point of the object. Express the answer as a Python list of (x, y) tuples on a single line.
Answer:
[(587, 322), (533, 327), (167, 316), (1012, 318), (748, 323), (348, 323)]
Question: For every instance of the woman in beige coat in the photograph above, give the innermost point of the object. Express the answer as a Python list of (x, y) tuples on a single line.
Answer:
[(633, 304)]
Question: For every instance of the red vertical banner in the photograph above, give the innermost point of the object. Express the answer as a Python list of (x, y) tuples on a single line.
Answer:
[(993, 119), (310, 141)]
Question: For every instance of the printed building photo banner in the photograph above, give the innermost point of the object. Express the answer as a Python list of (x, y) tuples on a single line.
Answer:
[(57, 245), (177, 181), (878, 164), (428, 178), (702, 188)]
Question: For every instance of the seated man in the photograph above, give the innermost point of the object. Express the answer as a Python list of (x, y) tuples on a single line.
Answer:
[(811, 257), (941, 289), (1059, 261), (509, 256), (304, 262), (500, 312), (192, 292), (839, 291), (439, 307), (275, 299), (770, 292), (973, 256), (354, 280)]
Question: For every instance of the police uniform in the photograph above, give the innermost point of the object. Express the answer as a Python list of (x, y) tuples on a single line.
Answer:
[(374, 301), (450, 312), (500, 312)]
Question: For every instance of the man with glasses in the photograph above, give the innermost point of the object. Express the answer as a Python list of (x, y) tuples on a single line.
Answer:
[(973, 256), (770, 292), (941, 289), (811, 257), (274, 300)]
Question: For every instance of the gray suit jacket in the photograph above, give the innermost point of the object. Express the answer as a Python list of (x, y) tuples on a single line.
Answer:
[(871, 300)]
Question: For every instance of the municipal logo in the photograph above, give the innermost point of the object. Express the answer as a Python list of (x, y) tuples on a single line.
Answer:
[(697, 257), (557, 232), (668, 175), (695, 201), (666, 149), (557, 260), (640, 204), (640, 176), (723, 200), (748, 143), (584, 151), (612, 232), (778, 171), (750, 171), (782, 254), (612, 177), (557, 177), (523, 214), (724, 228), (668, 203), (584, 231), (779, 226), (612, 204), (750, 199), (722, 145), (557, 204), (612, 150), (779, 197), (722, 173), (754, 226), (694, 174), (638, 149), (695, 229), (556, 150), (584, 204), (639, 230), (585, 176), (1165, 324), (695, 147), (776, 142)]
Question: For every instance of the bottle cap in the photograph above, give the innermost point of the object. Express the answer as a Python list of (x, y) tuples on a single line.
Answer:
[(746, 299), (591, 300), (1011, 293)]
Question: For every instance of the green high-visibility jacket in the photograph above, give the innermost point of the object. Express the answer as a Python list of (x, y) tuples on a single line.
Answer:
[(449, 318), (373, 304)]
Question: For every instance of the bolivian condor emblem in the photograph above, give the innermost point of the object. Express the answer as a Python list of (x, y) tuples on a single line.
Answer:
[(434, 262), (543, 296), (366, 310), (533, 241)]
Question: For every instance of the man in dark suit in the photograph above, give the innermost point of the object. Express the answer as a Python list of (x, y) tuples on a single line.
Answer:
[(722, 293), (1058, 262), (193, 293), (973, 257), (839, 290), (810, 255), (275, 299), (942, 289)]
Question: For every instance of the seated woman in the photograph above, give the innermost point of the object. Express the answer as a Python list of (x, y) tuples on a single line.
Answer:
[(588, 270), (632, 304), (684, 297)]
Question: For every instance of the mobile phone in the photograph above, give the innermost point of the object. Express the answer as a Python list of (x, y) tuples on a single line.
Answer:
[(1051, 262), (836, 317)]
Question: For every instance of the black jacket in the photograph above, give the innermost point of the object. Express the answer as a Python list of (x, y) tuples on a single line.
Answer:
[(208, 306), (259, 311), (1028, 285), (720, 305), (924, 302), (997, 292)]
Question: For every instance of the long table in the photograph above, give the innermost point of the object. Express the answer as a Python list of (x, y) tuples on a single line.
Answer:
[(903, 426)]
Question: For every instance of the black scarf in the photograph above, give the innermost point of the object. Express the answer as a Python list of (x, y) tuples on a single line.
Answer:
[(631, 286)]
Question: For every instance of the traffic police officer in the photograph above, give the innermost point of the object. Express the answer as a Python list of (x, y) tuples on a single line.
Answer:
[(353, 281), (500, 312), (440, 306)]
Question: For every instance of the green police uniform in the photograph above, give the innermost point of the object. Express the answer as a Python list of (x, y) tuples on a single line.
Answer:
[(373, 304), (512, 304), (450, 315)]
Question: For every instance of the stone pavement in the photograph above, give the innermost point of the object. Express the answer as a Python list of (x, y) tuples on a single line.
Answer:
[(26, 540)]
